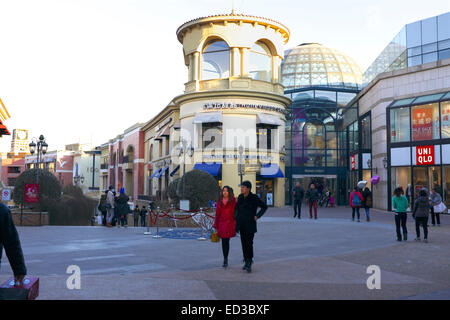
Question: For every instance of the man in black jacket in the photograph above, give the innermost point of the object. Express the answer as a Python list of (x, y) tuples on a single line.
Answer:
[(9, 239), (298, 194), (246, 215)]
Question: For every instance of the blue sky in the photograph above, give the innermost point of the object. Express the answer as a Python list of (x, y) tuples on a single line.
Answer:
[(84, 70)]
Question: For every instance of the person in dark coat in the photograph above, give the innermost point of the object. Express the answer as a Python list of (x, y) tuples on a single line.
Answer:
[(9, 239), (246, 216), (136, 214), (122, 209), (143, 214), (298, 194), (312, 195), (102, 207), (224, 221), (421, 213), (367, 202)]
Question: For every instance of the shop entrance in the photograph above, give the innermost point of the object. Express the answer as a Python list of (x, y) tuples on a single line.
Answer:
[(426, 177), (323, 183), (264, 190)]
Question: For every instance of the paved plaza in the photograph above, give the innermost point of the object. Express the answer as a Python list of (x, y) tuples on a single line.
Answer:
[(294, 259)]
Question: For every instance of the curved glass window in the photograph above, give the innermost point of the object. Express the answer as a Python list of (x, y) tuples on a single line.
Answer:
[(216, 60), (260, 62)]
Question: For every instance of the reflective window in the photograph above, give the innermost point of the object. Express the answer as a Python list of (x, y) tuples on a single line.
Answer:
[(260, 62), (344, 98), (264, 136), (212, 135), (415, 61), (445, 117), (429, 30), (444, 26), (414, 51), (303, 95), (326, 95), (445, 54), (400, 125), (432, 47), (430, 57), (216, 61), (413, 34), (366, 137), (444, 44), (425, 122)]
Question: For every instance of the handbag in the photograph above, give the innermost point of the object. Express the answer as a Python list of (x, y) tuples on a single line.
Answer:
[(215, 237), (440, 208)]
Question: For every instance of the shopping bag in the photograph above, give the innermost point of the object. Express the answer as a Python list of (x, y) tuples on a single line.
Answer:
[(215, 237), (99, 219), (29, 290), (440, 208)]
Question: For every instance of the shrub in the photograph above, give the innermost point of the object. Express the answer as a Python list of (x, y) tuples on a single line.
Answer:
[(173, 190), (200, 188), (49, 187)]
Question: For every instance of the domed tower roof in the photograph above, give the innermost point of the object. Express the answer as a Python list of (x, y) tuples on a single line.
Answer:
[(312, 64)]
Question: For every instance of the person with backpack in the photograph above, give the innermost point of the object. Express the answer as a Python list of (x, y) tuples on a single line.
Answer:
[(367, 202), (400, 205), (356, 199), (421, 213)]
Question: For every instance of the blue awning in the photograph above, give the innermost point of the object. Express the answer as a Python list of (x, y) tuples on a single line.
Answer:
[(155, 173), (212, 168), (271, 171), (162, 171), (174, 171)]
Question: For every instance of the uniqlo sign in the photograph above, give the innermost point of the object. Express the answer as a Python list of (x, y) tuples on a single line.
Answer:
[(425, 155)]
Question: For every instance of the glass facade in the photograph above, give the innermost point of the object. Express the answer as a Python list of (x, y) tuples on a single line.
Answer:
[(421, 122), (417, 43), (216, 61)]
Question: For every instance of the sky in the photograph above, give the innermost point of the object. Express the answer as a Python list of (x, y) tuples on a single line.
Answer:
[(86, 70)]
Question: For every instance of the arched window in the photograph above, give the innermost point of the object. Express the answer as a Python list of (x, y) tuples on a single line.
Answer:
[(216, 60), (260, 62)]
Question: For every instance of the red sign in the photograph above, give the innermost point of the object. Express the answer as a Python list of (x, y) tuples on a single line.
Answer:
[(31, 193), (425, 155), (353, 163), (422, 123)]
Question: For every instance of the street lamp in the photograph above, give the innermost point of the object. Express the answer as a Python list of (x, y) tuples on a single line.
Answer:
[(183, 151), (40, 148), (77, 179), (385, 162), (241, 165)]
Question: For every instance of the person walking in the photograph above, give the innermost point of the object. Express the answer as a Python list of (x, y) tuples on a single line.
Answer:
[(136, 214), (102, 207), (122, 209), (298, 194), (367, 202), (143, 214), (356, 200), (421, 213), (436, 200), (312, 196), (110, 205), (246, 216), (224, 221), (400, 205), (9, 239)]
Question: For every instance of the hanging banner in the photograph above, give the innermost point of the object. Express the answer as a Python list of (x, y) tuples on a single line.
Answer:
[(422, 123), (425, 155), (445, 110), (31, 193)]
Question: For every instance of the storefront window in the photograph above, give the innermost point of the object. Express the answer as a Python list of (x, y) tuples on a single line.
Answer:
[(264, 190), (400, 131), (366, 140), (425, 122), (446, 185), (401, 177), (426, 177), (445, 116), (314, 158), (264, 136), (211, 135)]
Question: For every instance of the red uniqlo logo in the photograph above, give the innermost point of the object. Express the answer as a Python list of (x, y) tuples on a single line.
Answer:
[(425, 155)]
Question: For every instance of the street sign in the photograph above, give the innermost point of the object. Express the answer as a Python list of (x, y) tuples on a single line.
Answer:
[(6, 195)]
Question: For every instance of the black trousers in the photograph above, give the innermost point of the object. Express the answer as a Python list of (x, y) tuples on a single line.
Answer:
[(435, 217), (298, 208), (400, 220), (225, 247), (424, 222), (247, 243)]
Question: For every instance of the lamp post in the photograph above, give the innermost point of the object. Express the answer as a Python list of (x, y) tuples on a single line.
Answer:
[(183, 151), (241, 166), (77, 179), (38, 146)]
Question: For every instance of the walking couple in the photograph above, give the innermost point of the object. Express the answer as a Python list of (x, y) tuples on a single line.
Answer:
[(238, 216)]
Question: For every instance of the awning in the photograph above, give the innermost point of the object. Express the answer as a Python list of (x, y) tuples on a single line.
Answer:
[(155, 173), (271, 171), (162, 171), (212, 168), (208, 117), (265, 118), (4, 130), (174, 171), (163, 132)]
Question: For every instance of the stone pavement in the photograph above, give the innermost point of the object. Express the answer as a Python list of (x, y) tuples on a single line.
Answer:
[(294, 259)]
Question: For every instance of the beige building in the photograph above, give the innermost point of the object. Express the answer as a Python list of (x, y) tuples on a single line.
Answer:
[(233, 98)]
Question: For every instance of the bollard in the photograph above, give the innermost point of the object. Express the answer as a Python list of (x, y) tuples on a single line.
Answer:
[(202, 216), (157, 236), (171, 210), (147, 233)]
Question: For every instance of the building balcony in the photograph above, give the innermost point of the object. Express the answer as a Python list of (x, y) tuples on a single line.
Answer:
[(246, 84)]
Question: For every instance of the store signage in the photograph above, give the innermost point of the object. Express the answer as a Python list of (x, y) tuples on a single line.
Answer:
[(353, 161), (425, 155), (235, 156), (31, 193), (227, 105)]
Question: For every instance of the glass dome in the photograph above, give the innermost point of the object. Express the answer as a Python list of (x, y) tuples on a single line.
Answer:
[(312, 64)]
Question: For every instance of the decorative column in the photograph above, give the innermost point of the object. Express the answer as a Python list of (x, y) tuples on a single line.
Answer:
[(245, 62), (235, 62)]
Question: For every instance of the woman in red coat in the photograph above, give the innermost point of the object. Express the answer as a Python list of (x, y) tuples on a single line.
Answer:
[(224, 222)]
